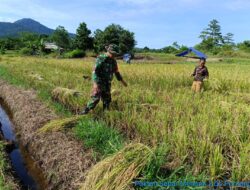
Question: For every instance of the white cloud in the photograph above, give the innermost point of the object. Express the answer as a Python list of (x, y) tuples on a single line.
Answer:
[(133, 8), (189, 4), (237, 4), (145, 3), (136, 2), (6, 19), (28, 8)]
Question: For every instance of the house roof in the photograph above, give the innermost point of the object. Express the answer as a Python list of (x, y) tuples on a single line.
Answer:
[(51, 46)]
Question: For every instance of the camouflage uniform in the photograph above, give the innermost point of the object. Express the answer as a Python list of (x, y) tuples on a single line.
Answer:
[(103, 72)]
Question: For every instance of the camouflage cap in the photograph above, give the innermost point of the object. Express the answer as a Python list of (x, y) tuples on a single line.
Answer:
[(112, 48)]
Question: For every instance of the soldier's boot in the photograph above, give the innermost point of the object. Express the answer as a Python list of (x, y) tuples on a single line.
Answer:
[(105, 106), (85, 111)]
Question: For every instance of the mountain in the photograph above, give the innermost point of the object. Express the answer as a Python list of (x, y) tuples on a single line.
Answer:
[(34, 26), (23, 25)]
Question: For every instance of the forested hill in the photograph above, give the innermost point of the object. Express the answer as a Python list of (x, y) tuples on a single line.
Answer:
[(23, 25)]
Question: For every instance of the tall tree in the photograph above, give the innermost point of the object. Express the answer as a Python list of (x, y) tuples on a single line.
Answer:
[(99, 44), (30, 40), (228, 39), (176, 45), (214, 32), (83, 40), (61, 37), (114, 34)]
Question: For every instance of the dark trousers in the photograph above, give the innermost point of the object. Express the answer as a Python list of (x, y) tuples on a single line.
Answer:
[(101, 92)]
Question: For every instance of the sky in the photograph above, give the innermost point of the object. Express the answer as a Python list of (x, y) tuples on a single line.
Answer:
[(155, 23)]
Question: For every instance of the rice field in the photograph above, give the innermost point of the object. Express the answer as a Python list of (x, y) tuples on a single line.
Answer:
[(197, 137)]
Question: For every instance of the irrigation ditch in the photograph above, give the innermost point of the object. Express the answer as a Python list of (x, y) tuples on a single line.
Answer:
[(53, 160), (23, 166)]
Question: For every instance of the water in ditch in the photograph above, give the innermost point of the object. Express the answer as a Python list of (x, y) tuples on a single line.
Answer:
[(23, 165)]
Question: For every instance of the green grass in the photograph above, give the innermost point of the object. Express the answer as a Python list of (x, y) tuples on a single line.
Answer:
[(98, 136), (205, 134)]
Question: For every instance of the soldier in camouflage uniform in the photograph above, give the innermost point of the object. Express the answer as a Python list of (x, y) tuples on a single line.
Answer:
[(200, 73), (102, 76)]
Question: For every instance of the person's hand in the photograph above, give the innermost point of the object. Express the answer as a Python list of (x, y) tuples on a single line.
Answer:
[(124, 83), (96, 88)]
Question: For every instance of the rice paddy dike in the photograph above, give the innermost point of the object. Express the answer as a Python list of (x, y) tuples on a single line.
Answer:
[(156, 130)]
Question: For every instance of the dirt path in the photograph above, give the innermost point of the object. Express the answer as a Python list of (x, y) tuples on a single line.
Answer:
[(62, 159)]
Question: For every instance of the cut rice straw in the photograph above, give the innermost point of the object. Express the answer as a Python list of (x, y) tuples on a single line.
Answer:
[(117, 172), (67, 97), (60, 124)]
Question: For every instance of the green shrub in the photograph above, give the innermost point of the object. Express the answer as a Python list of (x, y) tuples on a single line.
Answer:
[(26, 51), (90, 53), (2, 50), (77, 53), (228, 53), (54, 54)]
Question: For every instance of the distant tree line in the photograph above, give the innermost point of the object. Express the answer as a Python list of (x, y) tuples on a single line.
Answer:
[(212, 41), (172, 49), (84, 40)]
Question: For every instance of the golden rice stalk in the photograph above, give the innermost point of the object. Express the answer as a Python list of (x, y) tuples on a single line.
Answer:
[(243, 96), (36, 76), (60, 124), (67, 97), (115, 92), (226, 105), (150, 106), (117, 172), (64, 93), (233, 106)]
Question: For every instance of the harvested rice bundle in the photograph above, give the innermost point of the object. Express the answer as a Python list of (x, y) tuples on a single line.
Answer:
[(60, 124), (69, 98), (117, 172)]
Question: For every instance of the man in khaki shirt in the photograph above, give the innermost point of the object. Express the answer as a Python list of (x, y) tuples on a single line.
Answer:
[(199, 74)]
